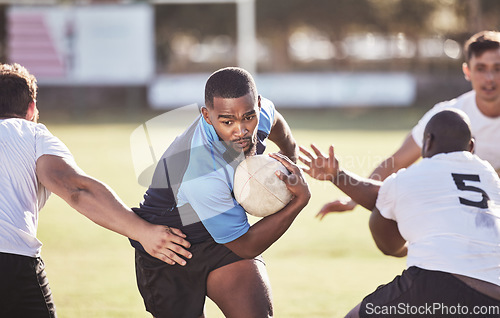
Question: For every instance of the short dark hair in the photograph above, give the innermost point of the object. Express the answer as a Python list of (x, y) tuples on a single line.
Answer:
[(18, 89), (451, 130), (481, 42), (229, 82)]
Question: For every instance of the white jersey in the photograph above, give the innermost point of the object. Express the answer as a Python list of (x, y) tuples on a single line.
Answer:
[(448, 209), (21, 196), (485, 130)]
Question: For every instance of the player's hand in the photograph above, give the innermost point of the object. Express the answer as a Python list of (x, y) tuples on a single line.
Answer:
[(295, 181), (343, 205), (318, 165), (167, 244)]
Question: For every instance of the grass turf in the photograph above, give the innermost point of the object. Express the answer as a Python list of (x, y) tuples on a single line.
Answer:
[(317, 269)]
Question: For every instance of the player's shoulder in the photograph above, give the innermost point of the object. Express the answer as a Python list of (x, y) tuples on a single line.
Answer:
[(266, 105), (25, 128), (267, 115), (462, 102), (484, 164)]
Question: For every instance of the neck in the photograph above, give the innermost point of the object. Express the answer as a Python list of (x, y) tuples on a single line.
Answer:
[(8, 116), (489, 108)]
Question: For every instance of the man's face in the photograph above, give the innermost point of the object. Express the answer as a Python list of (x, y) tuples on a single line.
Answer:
[(235, 120), (484, 74)]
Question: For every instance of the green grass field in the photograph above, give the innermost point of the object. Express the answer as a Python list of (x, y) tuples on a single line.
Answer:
[(317, 269)]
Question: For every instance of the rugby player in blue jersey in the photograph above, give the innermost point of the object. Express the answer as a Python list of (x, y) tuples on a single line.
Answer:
[(191, 190)]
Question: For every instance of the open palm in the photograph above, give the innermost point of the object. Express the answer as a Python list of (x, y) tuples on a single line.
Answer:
[(318, 165)]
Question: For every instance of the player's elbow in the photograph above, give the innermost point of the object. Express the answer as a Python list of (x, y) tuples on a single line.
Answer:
[(243, 248), (247, 253), (76, 189), (75, 195), (392, 250)]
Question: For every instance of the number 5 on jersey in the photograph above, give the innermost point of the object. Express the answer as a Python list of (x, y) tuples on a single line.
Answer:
[(459, 181)]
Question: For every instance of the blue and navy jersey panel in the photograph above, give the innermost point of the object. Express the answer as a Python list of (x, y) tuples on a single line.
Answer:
[(192, 185)]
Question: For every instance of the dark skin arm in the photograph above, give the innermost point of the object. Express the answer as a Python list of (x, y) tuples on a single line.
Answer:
[(407, 154), (281, 135), (385, 232), (386, 235), (327, 168), (268, 230)]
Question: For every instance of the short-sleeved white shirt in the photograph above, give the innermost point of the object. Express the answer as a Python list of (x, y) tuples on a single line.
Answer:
[(441, 207), (21, 196), (485, 130)]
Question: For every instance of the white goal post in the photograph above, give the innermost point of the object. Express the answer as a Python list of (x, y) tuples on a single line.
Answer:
[(246, 34)]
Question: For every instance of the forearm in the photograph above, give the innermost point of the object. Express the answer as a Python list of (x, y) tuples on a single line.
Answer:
[(395, 248), (281, 135), (402, 252), (290, 149), (362, 190), (100, 204), (408, 153), (384, 169), (385, 233), (266, 231)]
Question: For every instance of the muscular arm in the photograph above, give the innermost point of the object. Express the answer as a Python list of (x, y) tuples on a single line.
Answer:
[(269, 229), (365, 191), (407, 154), (100, 204), (281, 135), (386, 235), (327, 168), (362, 190)]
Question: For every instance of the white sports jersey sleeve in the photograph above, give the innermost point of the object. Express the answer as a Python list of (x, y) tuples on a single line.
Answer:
[(387, 195), (21, 195)]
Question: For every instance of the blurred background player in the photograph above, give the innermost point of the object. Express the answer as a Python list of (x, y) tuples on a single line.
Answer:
[(481, 104), (34, 163), (192, 190), (443, 212)]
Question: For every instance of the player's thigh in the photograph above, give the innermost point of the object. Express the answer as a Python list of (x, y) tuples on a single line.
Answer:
[(241, 289)]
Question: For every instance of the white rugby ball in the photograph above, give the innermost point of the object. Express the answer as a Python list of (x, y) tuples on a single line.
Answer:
[(257, 188)]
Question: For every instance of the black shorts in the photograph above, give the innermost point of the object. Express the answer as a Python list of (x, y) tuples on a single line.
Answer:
[(424, 293), (179, 291), (24, 288)]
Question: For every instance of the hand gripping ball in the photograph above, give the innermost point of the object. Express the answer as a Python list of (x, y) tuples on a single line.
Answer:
[(257, 188)]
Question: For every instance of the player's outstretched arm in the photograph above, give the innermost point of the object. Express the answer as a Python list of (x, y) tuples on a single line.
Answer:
[(100, 204), (281, 135), (344, 204), (407, 154), (327, 168), (269, 229), (386, 235)]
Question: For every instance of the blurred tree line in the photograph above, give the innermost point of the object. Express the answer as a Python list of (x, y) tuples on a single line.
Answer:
[(186, 34), (317, 35)]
